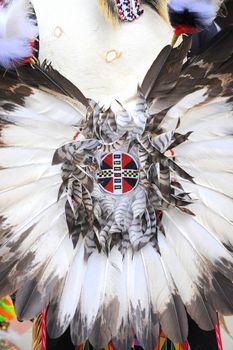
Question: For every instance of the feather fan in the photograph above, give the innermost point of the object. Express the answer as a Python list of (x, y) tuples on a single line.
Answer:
[(120, 221)]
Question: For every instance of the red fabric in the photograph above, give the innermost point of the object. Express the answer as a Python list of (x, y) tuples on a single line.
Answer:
[(126, 186), (185, 346), (172, 152), (109, 186), (76, 135), (109, 160), (184, 29), (218, 336), (126, 159)]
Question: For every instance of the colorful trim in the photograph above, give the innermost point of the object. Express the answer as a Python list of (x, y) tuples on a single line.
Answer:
[(166, 344), (7, 311), (6, 345), (129, 10)]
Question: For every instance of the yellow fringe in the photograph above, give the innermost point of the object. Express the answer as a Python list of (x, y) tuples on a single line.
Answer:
[(224, 325), (111, 17), (37, 333), (162, 9)]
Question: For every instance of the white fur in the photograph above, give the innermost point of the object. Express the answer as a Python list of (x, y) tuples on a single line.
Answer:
[(78, 40), (16, 32)]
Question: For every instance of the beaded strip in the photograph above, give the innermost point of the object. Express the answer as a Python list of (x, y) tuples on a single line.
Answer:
[(129, 10)]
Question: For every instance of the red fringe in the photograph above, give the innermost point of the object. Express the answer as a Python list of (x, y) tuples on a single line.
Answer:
[(44, 337), (218, 336)]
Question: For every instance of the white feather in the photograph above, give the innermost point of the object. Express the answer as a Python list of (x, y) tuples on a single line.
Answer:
[(14, 157), (63, 307), (212, 251), (208, 263), (26, 175), (191, 296), (41, 231), (209, 120), (141, 313), (28, 198), (22, 136), (211, 155), (214, 223), (108, 312), (92, 294), (180, 108), (48, 279), (123, 335), (46, 230), (163, 293), (220, 204), (196, 108), (185, 252), (43, 106)]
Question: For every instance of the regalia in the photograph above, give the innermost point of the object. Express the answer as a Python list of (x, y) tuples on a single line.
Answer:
[(116, 170)]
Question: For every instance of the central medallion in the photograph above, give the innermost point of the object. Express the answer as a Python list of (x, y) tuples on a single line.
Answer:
[(118, 173)]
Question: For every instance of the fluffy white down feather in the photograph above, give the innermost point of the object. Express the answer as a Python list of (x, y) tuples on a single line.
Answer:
[(17, 31), (205, 9)]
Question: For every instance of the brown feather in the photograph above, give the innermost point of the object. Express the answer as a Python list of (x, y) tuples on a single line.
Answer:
[(45, 75), (216, 60), (165, 70)]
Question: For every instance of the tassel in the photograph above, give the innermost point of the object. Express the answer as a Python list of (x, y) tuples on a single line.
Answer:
[(162, 10), (218, 336), (222, 322), (39, 332)]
